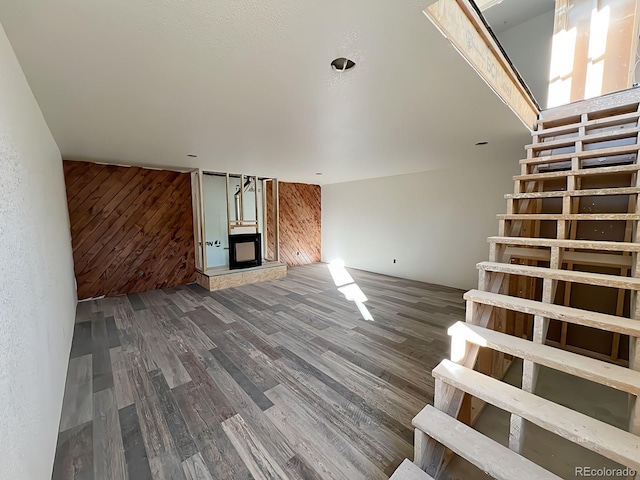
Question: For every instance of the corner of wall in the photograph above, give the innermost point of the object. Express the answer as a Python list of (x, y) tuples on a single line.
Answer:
[(37, 288)]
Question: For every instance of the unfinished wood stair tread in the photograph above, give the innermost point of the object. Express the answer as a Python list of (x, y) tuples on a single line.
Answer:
[(597, 123), (588, 278), (581, 244), (485, 453), (569, 216), (604, 373), (576, 316), (586, 139), (580, 258), (616, 444), (582, 172), (408, 470), (574, 193), (595, 153)]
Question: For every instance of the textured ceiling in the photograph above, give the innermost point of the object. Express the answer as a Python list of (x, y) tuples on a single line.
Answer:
[(246, 85)]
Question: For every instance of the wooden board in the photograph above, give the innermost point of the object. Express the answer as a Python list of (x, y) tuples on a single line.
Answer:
[(612, 281), (577, 316), (614, 376), (561, 243), (300, 223), (236, 278), (467, 33), (131, 228), (409, 471), (624, 100), (486, 454), (607, 440)]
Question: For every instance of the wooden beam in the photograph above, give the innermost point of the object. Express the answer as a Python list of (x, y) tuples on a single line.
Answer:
[(592, 105), (464, 28)]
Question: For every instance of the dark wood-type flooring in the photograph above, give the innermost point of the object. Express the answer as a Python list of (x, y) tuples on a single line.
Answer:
[(282, 379)]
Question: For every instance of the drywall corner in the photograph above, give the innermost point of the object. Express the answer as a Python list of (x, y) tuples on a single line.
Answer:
[(429, 226), (37, 287)]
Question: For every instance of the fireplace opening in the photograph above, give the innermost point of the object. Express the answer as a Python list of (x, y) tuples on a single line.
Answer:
[(245, 250)]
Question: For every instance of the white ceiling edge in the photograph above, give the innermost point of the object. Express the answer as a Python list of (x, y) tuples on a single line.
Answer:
[(248, 88)]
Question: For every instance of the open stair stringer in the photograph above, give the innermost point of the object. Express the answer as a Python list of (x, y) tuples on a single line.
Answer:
[(583, 158)]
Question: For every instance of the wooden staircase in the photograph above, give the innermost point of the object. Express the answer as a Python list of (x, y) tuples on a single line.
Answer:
[(564, 267)]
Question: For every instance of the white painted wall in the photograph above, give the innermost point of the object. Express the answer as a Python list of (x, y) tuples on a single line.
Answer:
[(37, 286), (435, 224), (528, 45)]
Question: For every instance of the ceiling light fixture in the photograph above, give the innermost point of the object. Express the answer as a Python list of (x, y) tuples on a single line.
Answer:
[(341, 64)]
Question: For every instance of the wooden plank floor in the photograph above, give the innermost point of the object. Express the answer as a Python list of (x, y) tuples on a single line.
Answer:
[(283, 379)]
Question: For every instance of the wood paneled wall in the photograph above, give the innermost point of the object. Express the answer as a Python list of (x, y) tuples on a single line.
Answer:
[(300, 223), (131, 228)]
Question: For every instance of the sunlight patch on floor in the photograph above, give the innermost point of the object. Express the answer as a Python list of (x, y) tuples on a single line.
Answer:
[(349, 288)]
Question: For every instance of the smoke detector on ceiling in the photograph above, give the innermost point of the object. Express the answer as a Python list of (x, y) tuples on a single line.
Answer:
[(341, 64)]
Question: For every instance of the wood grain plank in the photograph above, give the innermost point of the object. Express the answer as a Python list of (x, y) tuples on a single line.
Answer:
[(121, 217), (108, 450), (77, 404), (300, 222), (253, 453), (134, 448), (195, 468), (181, 436), (74, 454), (218, 454), (135, 209), (340, 391)]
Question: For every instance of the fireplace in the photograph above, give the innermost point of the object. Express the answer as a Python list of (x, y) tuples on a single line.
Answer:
[(245, 250)]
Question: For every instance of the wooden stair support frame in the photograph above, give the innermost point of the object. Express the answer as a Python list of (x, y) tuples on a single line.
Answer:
[(582, 244), (429, 453), (597, 279), (549, 286), (450, 400), (409, 471), (604, 373), (529, 368), (582, 258), (616, 444), (486, 454), (566, 157), (487, 305), (577, 193), (576, 316), (634, 346), (613, 121), (585, 139), (458, 403)]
